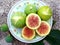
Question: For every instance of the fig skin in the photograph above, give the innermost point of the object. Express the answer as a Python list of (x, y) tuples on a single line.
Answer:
[(18, 19), (4, 28), (45, 12), (48, 29), (25, 37), (27, 22), (9, 39), (30, 9)]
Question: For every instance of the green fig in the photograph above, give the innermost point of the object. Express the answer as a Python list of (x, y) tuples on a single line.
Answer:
[(18, 19), (4, 27), (30, 9), (9, 39)]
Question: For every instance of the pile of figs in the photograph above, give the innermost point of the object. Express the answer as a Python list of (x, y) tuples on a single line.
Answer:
[(32, 21)]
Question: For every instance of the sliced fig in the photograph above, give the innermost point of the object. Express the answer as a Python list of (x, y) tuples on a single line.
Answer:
[(44, 29), (27, 33), (33, 21)]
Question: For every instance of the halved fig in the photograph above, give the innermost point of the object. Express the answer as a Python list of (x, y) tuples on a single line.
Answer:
[(44, 29), (27, 33), (33, 21)]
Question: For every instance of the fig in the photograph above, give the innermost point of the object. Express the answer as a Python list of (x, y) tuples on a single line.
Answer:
[(33, 21), (44, 29), (4, 28), (27, 33), (45, 12), (9, 39), (30, 8), (18, 19)]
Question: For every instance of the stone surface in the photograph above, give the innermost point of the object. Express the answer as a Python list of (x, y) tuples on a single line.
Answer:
[(5, 6), (3, 42)]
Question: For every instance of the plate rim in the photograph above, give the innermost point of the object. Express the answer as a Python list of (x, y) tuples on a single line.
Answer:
[(9, 27)]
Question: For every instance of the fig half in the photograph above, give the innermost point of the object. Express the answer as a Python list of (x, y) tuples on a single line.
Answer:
[(44, 29), (33, 21), (27, 33)]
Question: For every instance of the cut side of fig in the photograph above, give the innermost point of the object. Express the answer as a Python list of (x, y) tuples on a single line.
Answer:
[(33, 21), (44, 29), (27, 33)]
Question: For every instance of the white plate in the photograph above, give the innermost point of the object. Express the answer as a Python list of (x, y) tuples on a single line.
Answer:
[(20, 6)]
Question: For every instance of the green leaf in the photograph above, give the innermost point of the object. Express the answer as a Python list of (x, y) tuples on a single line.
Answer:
[(55, 34), (38, 43), (0, 27), (53, 22), (52, 40), (54, 37)]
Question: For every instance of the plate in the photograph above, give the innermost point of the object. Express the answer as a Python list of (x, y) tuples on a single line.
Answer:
[(20, 6)]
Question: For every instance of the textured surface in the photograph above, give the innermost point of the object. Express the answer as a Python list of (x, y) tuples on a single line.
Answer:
[(5, 6)]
